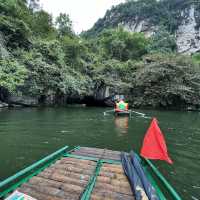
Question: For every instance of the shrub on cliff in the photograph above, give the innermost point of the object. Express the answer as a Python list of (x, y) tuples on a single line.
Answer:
[(196, 58), (167, 81), (12, 74), (49, 73), (162, 41), (16, 32), (122, 45)]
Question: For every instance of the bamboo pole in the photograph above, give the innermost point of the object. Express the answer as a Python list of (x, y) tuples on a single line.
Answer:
[(48, 173), (38, 195), (79, 160), (40, 180), (72, 169), (105, 179), (90, 148), (113, 152), (89, 164), (113, 165), (79, 182), (114, 182), (113, 195), (98, 151), (99, 197), (100, 156), (116, 158), (118, 189), (163, 180), (58, 181), (67, 166), (113, 169), (86, 154), (120, 183), (47, 190)]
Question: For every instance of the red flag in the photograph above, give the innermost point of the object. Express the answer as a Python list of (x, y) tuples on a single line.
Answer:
[(154, 146)]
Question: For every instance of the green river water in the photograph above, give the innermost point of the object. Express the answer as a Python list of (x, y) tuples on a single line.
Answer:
[(27, 135)]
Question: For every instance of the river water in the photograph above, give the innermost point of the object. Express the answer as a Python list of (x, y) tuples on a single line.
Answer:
[(27, 135)]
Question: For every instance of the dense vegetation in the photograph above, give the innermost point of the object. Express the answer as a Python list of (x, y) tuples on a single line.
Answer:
[(50, 64)]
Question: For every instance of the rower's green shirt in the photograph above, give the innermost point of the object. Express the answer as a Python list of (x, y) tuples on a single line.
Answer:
[(121, 105)]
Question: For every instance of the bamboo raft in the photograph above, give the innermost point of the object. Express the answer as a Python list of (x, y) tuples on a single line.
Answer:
[(81, 173)]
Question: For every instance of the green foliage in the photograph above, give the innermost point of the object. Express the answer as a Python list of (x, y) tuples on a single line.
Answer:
[(16, 32), (115, 74), (72, 49), (196, 58), (122, 45), (53, 64), (42, 25), (12, 74), (48, 74), (14, 8), (64, 25), (43, 78), (162, 41), (75, 84), (167, 80), (51, 51)]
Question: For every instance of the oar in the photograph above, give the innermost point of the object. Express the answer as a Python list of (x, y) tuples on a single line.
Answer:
[(108, 111), (141, 114)]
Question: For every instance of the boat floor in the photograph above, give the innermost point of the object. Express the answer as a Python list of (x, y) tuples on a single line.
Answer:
[(73, 175)]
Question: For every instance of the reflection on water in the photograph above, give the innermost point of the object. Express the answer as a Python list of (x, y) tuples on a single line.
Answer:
[(121, 124)]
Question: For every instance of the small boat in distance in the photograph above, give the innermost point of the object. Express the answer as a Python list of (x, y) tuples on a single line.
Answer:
[(122, 112), (121, 107)]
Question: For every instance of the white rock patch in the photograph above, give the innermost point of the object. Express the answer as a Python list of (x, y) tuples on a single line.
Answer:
[(187, 37)]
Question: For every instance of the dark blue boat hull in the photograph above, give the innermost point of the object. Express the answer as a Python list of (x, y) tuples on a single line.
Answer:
[(122, 113)]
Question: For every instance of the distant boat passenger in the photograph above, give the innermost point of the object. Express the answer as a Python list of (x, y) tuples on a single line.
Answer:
[(121, 106)]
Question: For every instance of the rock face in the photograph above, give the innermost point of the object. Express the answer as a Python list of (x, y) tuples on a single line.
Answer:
[(180, 17), (143, 26), (3, 105), (3, 51), (188, 33), (23, 100)]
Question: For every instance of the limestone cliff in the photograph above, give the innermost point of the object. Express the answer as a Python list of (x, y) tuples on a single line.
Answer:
[(188, 33), (180, 17)]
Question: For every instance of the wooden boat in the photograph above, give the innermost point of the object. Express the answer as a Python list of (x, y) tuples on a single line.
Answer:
[(122, 112), (81, 173)]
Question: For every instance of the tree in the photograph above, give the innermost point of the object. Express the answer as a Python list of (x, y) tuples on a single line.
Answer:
[(72, 48), (12, 74), (33, 4), (162, 41), (123, 45), (64, 24), (42, 24)]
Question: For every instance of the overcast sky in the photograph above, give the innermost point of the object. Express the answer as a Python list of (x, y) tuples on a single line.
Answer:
[(83, 13)]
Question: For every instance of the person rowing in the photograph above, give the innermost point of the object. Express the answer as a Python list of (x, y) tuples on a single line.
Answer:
[(121, 106)]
